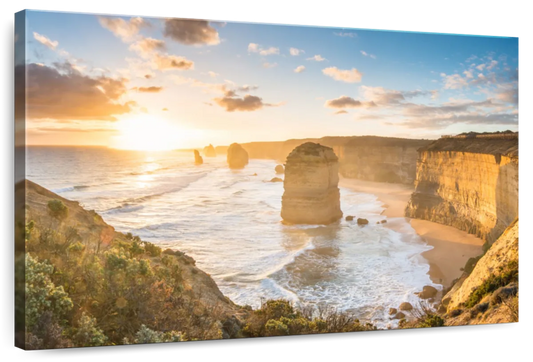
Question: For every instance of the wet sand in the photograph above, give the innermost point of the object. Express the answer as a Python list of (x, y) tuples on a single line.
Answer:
[(451, 247)]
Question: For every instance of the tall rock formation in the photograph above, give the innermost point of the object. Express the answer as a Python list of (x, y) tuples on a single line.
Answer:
[(209, 151), (237, 156), (469, 183), (198, 160), (311, 186)]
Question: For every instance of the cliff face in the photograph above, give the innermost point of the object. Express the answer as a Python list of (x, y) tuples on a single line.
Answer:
[(237, 156), (471, 184), (371, 158), (311, 193), (501, 253), (380, 159)]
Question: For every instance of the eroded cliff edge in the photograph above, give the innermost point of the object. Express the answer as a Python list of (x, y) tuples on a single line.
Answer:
[(468, 183)]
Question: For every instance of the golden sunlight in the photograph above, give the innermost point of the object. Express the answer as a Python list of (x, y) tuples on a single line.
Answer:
[(147, 133)]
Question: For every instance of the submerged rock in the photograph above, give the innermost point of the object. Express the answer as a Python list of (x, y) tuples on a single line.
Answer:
[(349, 218), (406, 306), (393, 311), (237, 156), (383, 221), (399, 315), (279, 169), (209, 151), (311, 193), (198, 160), (362, 221), (276, 179), (427, 292)]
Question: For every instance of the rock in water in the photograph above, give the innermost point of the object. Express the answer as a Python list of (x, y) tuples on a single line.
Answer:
[(361, 221), (427, 292), (311, 186), (279, 169), (276, 179), (198, 160), (209, 151), (237, 156)]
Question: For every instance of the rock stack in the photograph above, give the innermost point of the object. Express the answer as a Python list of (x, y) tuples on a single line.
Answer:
[(237, 156), (209, 151), (198, 160), (311, 186), (279, 169)]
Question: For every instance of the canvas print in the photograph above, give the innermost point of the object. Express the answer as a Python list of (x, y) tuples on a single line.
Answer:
[(189, 180)]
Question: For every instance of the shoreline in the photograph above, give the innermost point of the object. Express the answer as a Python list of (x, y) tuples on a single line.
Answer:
[(451, 247)]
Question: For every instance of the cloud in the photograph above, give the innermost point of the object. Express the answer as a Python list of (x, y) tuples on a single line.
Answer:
[(471, 118), (191, 32), (165, 109), (125, 30), (454, 81), (213, 74), (62, 93), (299, 69), (317, 58), (346, 34), (389, 97), (347, 102), (295, 51), (269, 51), (169, 62), (246, 104), (368, 55), (269, 65), (253, 48), (348, 76), (342, 111), (146, 46), (45, 41), (508, 94), (148, 89), (256, 48)]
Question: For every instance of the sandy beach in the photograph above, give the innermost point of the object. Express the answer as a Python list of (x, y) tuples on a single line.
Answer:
[(451, 247)]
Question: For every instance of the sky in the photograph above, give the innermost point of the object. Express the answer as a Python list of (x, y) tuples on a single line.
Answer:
[(155, 83)]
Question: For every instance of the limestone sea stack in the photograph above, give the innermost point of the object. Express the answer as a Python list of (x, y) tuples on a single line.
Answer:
[(198, 160), (237, 156), (311, 186), (209, 151), (279, 169)]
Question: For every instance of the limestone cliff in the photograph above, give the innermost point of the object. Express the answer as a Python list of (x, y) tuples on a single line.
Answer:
[(501, 253), (237, 156), (311, 193), (490, 293), (382, 159), (468, 183), (209, 151)]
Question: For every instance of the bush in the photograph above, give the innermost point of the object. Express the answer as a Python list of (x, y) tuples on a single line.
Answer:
[(57, 209), (152, 249), (507, 275), (88, 334)]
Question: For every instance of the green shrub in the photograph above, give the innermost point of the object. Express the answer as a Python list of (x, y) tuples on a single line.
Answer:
[(431, 320), (57, 209), (88, 334), (152, 249), (276, 328), (507, 275)]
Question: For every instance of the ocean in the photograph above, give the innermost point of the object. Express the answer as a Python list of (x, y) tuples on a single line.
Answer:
[(229, 221)]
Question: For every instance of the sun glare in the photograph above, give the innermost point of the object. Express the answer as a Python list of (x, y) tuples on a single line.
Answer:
[(148, 133)]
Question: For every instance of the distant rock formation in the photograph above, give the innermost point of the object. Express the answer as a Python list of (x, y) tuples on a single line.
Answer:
[(311, 186), (276, 179), (198, 160), (237, 156), (279, 169), (209, 151)]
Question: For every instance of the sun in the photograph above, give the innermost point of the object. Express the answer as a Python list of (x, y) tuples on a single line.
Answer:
[(147, 133)]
